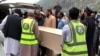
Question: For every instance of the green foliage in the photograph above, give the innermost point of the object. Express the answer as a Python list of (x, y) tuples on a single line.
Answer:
[(66, 4)]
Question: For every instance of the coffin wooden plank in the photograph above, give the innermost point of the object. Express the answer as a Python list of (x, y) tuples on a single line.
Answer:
[(51, 38)]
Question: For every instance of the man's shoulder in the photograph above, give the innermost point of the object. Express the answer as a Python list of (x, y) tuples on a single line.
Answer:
[(15, 16), (53, 17), (63, 19), (90, 20), (66, 26), (12, 15)]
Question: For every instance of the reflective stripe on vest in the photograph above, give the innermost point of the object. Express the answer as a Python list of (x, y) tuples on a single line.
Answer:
[(27, 36), (75, 47), (75, 53)]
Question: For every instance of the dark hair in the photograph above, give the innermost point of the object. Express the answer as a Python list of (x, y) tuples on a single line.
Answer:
[(74, 13), (95, 12), (88, 10), (18, 11), (49, 10), (25, 14), (62, 14)]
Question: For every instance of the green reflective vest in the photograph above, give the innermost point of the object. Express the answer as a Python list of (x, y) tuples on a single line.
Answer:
[(77, 46), (28, 36)]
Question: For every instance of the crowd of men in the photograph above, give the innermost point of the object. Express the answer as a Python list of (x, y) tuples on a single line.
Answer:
[(21, 33)]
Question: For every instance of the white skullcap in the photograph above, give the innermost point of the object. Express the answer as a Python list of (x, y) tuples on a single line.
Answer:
[(42, 13)]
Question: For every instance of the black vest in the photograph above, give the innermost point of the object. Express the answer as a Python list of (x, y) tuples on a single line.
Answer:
[(12, 27)]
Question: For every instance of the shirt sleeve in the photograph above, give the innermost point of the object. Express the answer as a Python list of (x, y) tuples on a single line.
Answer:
[(63, 36), (60, 25), (3, 23), (66, 34), (36, 32), (1, 37)]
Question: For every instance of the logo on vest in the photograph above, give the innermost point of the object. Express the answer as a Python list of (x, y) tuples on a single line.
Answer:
[(80, 29), (26, 26)]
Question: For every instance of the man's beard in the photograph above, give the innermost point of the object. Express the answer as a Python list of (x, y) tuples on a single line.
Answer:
[(48, 16)]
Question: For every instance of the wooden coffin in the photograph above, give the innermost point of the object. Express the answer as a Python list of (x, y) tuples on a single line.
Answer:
[(51, 38)]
